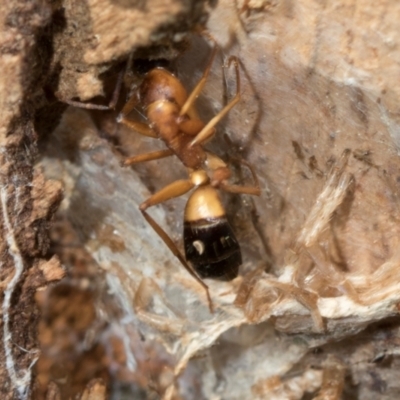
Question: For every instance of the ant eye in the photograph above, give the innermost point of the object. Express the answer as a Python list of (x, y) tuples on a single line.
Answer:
[(199, 246)]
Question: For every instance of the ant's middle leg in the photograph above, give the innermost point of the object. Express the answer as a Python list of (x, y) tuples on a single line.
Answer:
[(154, 155), (171, 191), (175, 189)]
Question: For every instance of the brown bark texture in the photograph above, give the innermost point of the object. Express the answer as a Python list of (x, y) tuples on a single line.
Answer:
[(28, 201)]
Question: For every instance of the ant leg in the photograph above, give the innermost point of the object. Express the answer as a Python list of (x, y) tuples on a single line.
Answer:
[(174, 189), (155, 155), (253, 190), (139, 127), (86, 106), (208, 130), (199, 87), (111, 105), (252, 171), (129, 106), (175, 251)]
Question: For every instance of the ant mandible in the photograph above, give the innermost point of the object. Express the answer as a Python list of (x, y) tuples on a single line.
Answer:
[(209, 241)]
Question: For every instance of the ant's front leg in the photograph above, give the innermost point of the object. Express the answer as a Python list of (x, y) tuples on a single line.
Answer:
[(173, 190), (111, 105), (140, 127), (199, 87), (208, 130)]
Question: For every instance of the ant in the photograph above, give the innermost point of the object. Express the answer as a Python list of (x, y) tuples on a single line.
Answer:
[(209, 241)]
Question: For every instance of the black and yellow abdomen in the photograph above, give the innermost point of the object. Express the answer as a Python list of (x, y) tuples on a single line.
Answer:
[(209, 241)]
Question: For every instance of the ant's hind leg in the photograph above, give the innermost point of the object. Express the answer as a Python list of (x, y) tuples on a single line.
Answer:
[(175, 251), (173, 190)]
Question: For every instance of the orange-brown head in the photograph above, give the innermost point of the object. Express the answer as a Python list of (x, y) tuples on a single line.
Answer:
[(160, 84)]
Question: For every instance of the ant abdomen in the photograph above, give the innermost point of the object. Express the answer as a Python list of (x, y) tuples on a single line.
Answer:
[(212, 248), (209, 241)]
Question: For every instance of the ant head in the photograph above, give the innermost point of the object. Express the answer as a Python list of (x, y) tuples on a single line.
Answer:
[(159, 84), (142, 66)]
